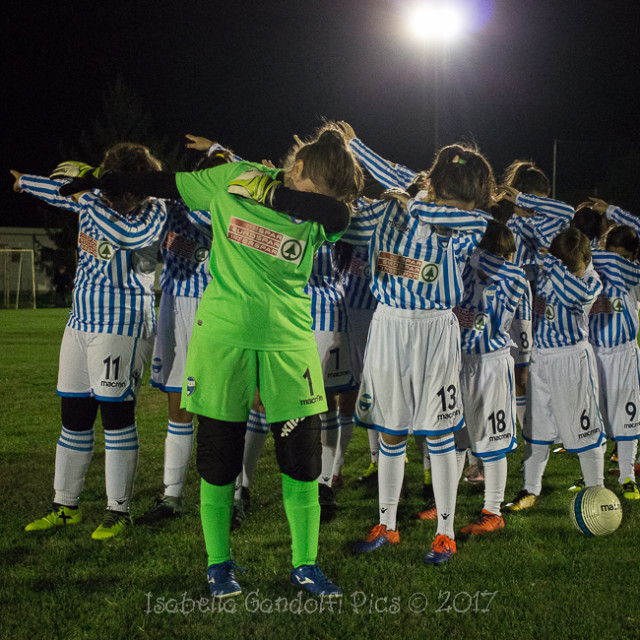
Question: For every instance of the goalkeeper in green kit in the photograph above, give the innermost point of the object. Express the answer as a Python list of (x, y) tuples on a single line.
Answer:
[(253, 329)]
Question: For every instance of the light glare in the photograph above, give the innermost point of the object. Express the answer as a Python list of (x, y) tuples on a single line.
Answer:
[(436, 22)]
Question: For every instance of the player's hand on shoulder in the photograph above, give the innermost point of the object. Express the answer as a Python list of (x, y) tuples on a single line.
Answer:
[(396, 194)]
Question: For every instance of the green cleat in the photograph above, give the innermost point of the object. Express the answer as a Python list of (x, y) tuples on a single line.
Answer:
[(630, 490), (254, 185), (577, 486), (114, 524), (59, 516)]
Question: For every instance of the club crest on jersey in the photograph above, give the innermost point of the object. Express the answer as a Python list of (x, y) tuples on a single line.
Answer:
[(480, 321), (201, 254), (191, 385), (365, 402), (265, 240), (105, 250), (429, 272)]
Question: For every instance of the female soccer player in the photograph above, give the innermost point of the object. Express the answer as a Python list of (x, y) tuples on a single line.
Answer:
[(493, 289), (253, 328), (109, 336), (417, 251), (562, 398)]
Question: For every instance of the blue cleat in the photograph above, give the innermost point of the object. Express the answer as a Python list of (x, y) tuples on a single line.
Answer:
[(378, 537), (442, 548), (311, 579), (222, 579)]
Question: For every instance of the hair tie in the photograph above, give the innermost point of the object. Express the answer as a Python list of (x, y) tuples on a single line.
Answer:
[(459, 160), (220, 155)]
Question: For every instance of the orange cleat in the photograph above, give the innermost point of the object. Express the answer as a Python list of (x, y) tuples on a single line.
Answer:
[(486, 523)]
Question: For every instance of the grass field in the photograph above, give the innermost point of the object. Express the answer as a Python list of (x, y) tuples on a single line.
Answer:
[(537, 578)]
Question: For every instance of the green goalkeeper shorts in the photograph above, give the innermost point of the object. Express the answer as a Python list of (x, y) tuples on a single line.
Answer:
[(220, 381)]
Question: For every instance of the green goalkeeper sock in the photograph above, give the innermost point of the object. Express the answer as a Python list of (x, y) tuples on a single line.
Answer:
[(216, 507), (303, 512)]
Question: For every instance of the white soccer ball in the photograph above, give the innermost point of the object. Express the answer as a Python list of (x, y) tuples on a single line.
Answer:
[(596, 511)]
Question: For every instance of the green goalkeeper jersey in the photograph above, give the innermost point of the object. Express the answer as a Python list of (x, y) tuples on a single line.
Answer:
[(260, 263)]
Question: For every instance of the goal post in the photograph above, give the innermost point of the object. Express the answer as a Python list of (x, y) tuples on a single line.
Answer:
[(17, 275)]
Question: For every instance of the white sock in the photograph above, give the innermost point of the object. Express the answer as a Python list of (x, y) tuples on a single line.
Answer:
[(461, 457), (254, 441), (495, 480), (592, 464), (444, 470), (521, 405), (535, 461), (390, 476), (120, 463), (374, 444), (346, 432), (626, 455), (330, 436), (73, 455), (177, 453)]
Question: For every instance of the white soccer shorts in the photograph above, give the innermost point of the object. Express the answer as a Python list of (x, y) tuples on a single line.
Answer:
[(335, 356)]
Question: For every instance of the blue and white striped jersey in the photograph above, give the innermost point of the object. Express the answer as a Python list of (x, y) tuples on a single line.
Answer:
[(117, 256), (493, 289), (417, 254), (626, 218), (613, 319), (389, 175), (185, 254), (561, 304), (357, 292), (326, 290), (531, 233)]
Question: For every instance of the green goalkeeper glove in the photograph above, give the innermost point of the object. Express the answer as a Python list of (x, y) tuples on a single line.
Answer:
[(255, 185), (71, 169)]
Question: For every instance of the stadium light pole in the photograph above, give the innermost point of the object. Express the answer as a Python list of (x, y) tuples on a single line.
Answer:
[(435, 24)]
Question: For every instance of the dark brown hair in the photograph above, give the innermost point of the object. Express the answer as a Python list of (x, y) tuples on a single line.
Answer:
[(588, 221), (461, 172), (329, 162), (624, 237), (525, 176), (498, 239), (220, 156), (571, 246), (132, 158)]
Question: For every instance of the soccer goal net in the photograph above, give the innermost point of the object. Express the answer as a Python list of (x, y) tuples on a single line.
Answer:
[(17, 278)]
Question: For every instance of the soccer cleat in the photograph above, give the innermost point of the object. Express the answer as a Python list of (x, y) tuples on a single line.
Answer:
[(524, 500), (474, 474), (442, 548), (238, 515), (310, 578), (327, 501), (378, 537), (163, 508), (222, 579), (486, 523), (559, 450), (114, 524), (430, 513), (427, 485), (254, 185), (370, 474), (630, 490), (578, 485), (59, 516)]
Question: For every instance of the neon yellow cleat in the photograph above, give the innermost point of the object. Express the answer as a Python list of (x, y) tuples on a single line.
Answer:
[(59, 516), (630, 490), (114, 524)]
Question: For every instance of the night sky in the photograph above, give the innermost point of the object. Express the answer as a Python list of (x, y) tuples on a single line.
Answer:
[(251, 74)]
